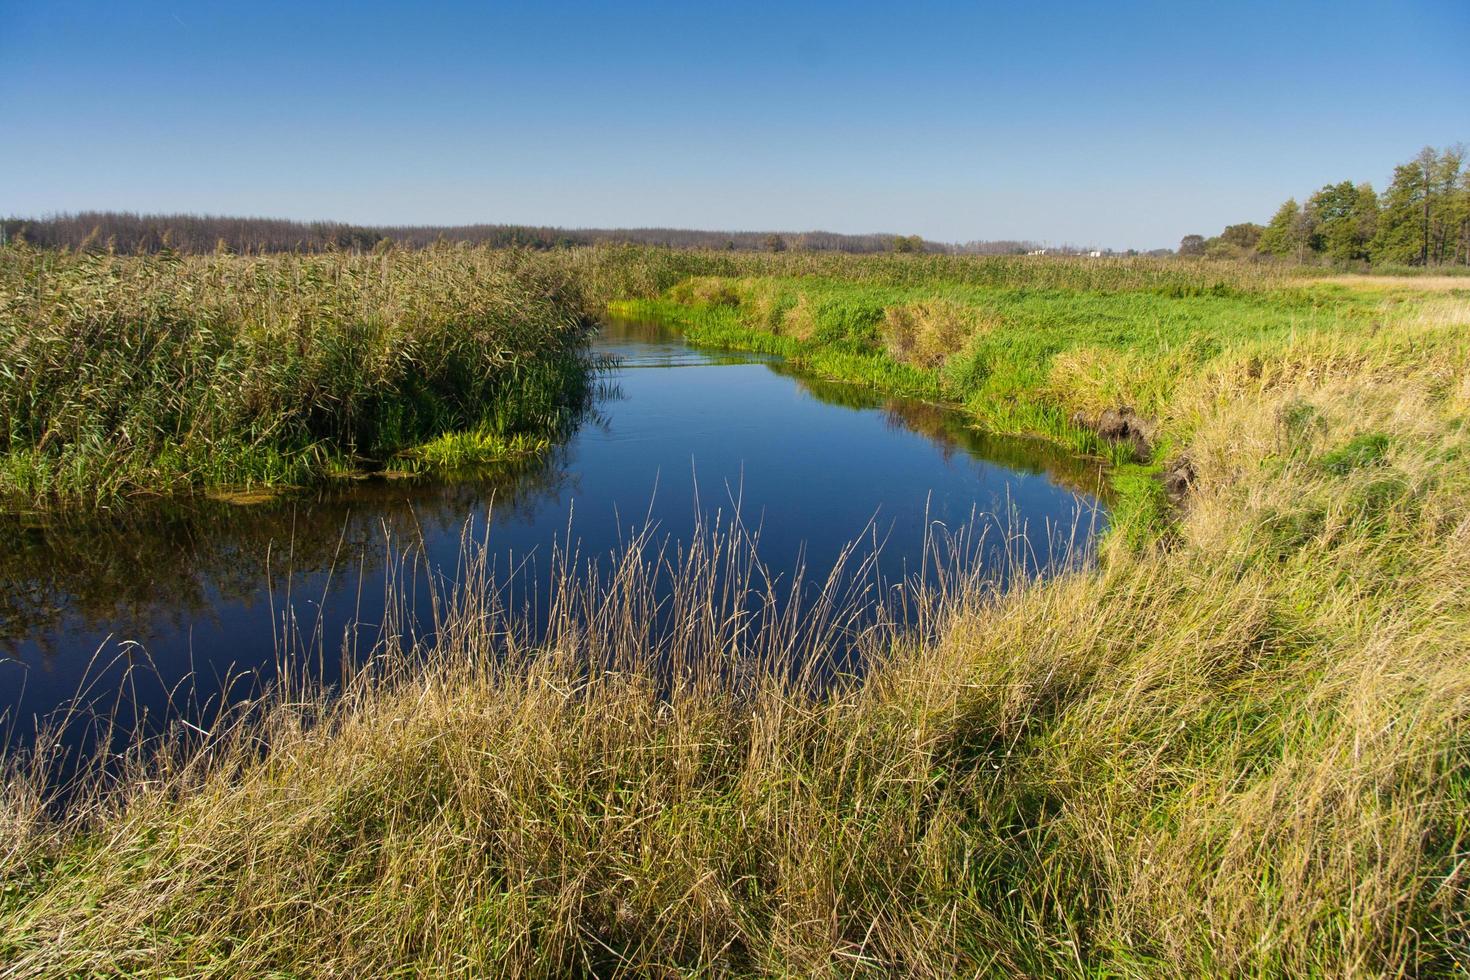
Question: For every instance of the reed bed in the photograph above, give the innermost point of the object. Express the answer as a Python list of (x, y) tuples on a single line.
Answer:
[(1233, 746), (128, 375), (621, 272)]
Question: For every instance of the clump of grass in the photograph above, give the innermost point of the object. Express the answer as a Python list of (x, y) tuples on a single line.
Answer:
[(464, 450), (705, 291), (799, 321), (925, 333), (1362, 450), (126, 375)]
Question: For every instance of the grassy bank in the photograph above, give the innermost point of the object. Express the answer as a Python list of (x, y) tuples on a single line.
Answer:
[(126, 375), (1091, 362), (1235, 747)]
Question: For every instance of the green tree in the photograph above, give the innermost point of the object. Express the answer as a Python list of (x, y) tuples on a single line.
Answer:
[(908, 243), (774, 243), (1446, 215), (1243, 236), (1367, 218), (1399, 238), (1289, 232), (1192, 245), (1420, 215), (1235, 242), (1343, 217), (1461, 211)]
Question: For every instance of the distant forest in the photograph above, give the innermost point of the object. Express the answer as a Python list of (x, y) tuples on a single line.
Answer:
[(126, 232), (1422, 218), (132, 233)]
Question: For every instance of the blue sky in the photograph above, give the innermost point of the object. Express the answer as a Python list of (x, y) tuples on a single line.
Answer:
[(1121, 124)]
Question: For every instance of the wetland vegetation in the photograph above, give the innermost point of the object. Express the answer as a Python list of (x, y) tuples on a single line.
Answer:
[(1233, 744), (128, 375)]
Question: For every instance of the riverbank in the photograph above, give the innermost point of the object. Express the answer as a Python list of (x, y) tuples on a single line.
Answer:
[(1234, 747), (129, 376), (1093, 370)]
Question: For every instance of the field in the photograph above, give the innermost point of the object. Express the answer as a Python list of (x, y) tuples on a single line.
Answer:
[(125, 376), (1236, 745)]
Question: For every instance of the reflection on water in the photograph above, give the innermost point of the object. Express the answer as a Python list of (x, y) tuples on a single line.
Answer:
[(202, 587), (951, 433), (163, 567)]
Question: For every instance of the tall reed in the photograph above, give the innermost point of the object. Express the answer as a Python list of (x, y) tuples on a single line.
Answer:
[(122, 375)]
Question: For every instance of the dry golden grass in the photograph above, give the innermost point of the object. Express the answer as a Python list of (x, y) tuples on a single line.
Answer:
[(1385, 283), (798, 321), (925, 333)]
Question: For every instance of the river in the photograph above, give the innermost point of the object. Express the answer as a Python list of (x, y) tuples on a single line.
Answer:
[(156, 610)]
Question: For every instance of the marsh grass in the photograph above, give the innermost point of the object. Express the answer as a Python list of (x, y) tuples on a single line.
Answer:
[(466, 450), (1048, 356), (124, 375), (1234, 746)]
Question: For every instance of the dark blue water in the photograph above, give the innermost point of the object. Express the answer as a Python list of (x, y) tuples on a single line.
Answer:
[(200, 592)]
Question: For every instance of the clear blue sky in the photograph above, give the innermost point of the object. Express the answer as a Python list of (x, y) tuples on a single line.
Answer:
[(1114, 123)]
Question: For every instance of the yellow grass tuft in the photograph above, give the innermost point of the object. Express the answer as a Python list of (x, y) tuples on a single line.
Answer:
[(925, 333)]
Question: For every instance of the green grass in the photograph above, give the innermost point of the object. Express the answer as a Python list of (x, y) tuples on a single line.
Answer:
[(465, 450), (127, 376), (1234, 747), (1044, 360), (1139, 342)]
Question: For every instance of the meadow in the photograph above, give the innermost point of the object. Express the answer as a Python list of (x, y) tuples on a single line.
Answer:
[(1234, 745), (128, 376)]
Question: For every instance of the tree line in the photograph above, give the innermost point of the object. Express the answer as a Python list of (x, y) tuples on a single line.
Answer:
[(144, 233), (1422, 218), (196, 233)]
